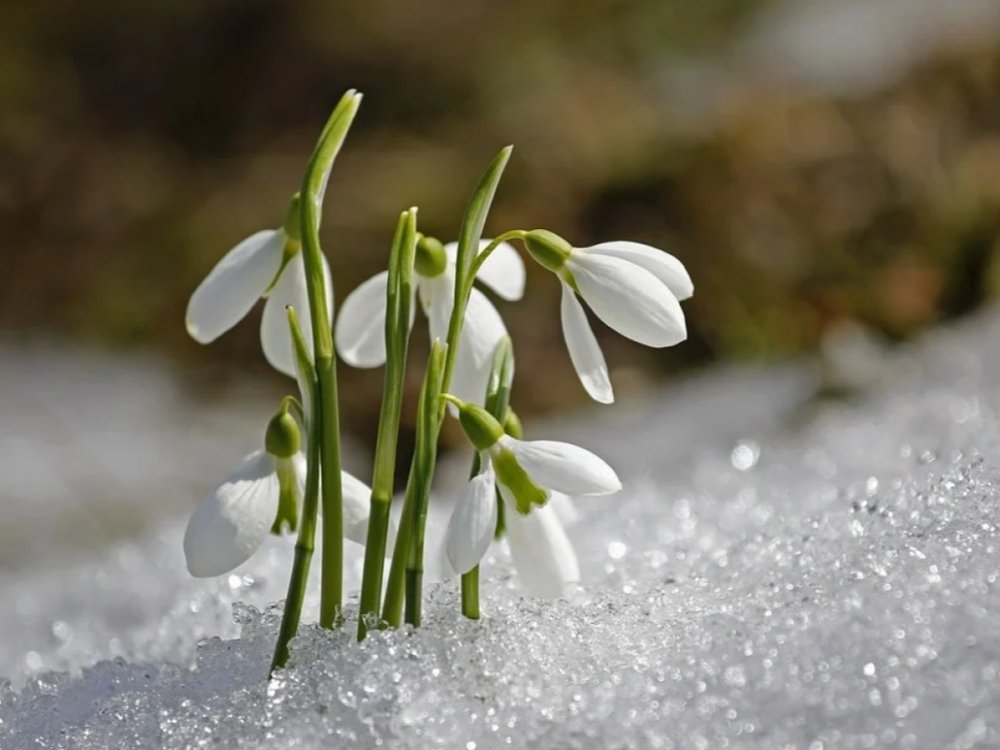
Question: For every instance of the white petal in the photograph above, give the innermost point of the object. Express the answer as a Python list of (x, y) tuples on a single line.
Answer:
[(232, 521), (565, 508), (275, 337), (662, 265), (542, 553), (584, 351), (629, 299), (472, 523), (301, 469), (437, 297), (563, 467), (357, 506), (503, 271), (360, 331), (226, 295), (481, 332)]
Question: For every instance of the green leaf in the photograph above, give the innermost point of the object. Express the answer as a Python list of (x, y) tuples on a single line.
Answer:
[(475, 218)]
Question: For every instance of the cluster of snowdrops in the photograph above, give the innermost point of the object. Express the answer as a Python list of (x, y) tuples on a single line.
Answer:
[(519, 489)]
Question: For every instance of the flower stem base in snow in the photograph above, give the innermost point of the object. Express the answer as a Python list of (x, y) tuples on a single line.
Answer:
[(470, 594)]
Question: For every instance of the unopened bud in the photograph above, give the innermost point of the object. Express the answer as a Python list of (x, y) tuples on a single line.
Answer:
[(548, 248), (282, 438), (481, 427), (430, 259)]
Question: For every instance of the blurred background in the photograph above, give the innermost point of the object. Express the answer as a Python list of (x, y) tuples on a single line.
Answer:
[(820, 166)]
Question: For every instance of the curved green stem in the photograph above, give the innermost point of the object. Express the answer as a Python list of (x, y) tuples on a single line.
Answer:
[(513, 234), (325, 404)]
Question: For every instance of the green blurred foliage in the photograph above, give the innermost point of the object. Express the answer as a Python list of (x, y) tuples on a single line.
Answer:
[(139, 141)]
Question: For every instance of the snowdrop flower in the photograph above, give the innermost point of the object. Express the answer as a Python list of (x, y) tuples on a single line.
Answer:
[(360, 325), (262, 495), (266, 264), (634, 288), (526, 473)]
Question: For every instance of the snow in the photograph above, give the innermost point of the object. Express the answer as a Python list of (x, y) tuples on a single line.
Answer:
[(780, 572)]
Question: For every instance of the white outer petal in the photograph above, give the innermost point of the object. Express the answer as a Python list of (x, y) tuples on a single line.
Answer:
[(563, 467), (241, 278), (542, 553), (662, 265), (472, 523), (360, 331), (357, 506), (503, 271), (565, 508), (437, 296), (232, 521), (628, 298), (584, 351), (275, 338), (481, 332)]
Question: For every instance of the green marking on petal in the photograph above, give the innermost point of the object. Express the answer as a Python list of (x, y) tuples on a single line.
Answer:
[(510, 474), (287, 518)]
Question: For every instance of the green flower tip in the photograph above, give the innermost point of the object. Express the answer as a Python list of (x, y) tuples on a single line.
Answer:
[(548, 248), (282, 438), (431, 259), (481, 427), (512, 475)]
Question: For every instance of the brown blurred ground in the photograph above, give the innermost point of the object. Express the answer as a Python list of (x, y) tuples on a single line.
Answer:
[(139, 141)]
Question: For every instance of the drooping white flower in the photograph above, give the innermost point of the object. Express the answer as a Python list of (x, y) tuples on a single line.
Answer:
[(634, 288), (527, 473), (360, 328), (266, 264), (232, 521)]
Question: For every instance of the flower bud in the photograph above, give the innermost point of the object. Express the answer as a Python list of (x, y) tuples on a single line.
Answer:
[(431, 259), (282, 438), (548, 248), (481, 427)]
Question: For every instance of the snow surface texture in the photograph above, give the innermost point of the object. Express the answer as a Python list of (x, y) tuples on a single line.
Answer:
[(778, 573)]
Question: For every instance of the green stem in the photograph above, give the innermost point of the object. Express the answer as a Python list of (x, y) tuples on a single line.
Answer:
[(327, 421), (305, 542), (332, 571), (513, 234), (392, 605), (425, 456), (497, 403), (292, 613), (425, 460), (470, 594), (399, 299)]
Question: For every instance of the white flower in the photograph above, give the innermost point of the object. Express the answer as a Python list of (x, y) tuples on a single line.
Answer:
[(634, 288), (528, 474), (266, 264), (235, 517), (360, 329)]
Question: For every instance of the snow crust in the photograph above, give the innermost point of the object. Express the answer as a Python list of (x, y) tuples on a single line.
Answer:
[(779, 572)]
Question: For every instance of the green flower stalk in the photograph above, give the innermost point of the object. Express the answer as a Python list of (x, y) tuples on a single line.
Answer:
[(409, 545), (327, 423), (497, 400), (399, 301), (306, 539)]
